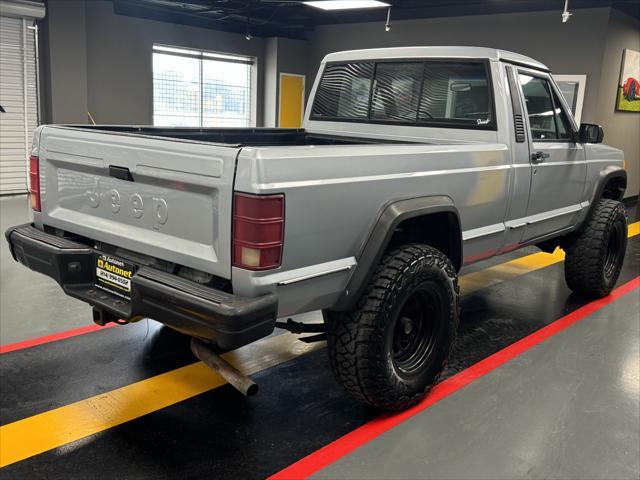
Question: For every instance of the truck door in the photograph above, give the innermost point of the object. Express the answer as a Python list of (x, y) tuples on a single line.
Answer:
[(557, 159)]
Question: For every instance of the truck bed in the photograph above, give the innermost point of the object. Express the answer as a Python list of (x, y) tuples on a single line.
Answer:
[(236, 137), (165, 193)]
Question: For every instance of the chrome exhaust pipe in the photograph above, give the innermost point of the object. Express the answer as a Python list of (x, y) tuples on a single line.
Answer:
[(211, 359)]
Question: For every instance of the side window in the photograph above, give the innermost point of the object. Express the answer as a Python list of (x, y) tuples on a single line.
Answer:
[(396, 91), (456, 93), (537, 97), (547, 119), (564, 126), (344, 92)]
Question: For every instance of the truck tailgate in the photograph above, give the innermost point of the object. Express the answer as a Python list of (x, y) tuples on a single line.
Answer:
[(166, 198)]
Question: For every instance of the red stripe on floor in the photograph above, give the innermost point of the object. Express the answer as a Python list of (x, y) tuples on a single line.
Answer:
[(367, 432), (52, 338)]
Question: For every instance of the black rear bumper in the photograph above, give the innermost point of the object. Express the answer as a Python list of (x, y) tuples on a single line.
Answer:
[(226, 319)]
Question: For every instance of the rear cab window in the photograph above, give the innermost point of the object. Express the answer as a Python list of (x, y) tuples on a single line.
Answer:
[(438, 93), (344, 92)]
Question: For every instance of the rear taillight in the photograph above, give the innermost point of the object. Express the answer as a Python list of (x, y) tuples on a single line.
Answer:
[(258, 231), (34, 182)]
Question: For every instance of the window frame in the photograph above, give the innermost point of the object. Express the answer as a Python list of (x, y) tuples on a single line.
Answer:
[(201, 55), (581, 81), (491, 126), (555, 92), (557, 96)]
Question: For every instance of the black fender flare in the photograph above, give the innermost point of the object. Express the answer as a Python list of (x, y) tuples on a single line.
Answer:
[(390, 216), (605, 176)]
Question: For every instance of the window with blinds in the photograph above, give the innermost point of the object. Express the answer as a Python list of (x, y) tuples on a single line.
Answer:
[(450, 94), (19, 100), (193, 88)]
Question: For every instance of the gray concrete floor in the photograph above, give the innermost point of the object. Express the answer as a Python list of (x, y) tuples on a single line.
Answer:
[(582, 387), (31, 305)]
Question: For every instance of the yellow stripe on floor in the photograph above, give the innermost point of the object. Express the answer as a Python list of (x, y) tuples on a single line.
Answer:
[(37, 434), (51, 429), (506, 271)]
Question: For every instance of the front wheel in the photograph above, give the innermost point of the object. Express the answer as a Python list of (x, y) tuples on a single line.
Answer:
[(595, 254), (392, 347)]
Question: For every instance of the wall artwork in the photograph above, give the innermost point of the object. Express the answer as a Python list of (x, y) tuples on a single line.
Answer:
[(628, 99)]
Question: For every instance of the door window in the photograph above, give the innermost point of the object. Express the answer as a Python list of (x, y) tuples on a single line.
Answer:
[(564, 126), (547, 120)]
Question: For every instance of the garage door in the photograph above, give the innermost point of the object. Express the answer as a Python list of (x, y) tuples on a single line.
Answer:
[(19, 99)]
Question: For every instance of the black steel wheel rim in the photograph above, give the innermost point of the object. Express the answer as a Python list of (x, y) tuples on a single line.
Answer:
[(416, 330), (612, 255)]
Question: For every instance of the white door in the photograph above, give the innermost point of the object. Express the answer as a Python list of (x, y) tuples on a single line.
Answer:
[(19, 99)]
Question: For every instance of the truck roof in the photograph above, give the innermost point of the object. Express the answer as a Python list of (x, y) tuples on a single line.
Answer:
[(435, 52)]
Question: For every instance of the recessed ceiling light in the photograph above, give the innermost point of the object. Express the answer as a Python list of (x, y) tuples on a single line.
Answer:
[(346, 4)]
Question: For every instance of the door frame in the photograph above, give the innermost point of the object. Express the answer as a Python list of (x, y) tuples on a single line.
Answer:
[(304, 85), (571, 211)]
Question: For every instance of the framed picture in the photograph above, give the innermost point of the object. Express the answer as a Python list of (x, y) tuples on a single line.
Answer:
[(628, 99), (572, 88)]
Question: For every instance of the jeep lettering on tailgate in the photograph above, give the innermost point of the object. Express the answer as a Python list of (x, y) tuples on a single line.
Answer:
[(134, 204)]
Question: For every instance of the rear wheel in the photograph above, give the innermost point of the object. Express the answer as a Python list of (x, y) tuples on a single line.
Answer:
[(595, 254), (392, 347)]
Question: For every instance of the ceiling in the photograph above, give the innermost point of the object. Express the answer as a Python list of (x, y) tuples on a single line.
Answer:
[(293, 19)]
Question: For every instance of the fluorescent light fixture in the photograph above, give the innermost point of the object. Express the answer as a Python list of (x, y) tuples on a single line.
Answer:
[(346, 4)]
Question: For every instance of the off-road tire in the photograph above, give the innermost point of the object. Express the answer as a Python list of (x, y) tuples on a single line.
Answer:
[(359, 348), (595, 253)]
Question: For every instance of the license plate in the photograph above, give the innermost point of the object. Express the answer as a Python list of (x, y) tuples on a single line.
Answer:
[(114, 275)]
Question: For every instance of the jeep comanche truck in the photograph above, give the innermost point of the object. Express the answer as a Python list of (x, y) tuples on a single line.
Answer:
[(412, 163)]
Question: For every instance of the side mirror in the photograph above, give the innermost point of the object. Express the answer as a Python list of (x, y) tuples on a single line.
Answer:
[(590, 133)]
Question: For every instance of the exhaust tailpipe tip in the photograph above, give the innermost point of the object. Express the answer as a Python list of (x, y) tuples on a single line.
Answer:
[(237, 379)]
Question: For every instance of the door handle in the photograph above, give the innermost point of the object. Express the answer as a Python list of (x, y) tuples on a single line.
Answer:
[(539, 157)]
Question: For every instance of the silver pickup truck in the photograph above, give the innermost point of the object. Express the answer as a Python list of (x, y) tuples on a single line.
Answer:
[(412, 163)]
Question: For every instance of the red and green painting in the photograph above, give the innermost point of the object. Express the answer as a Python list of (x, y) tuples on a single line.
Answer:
[(629, 87)]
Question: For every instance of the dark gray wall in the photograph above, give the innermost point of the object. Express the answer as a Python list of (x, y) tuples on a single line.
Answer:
[(590, 43), (65, 54), (270, 98), (622, 129), (282, 55), (574, 47), (101, 62)]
